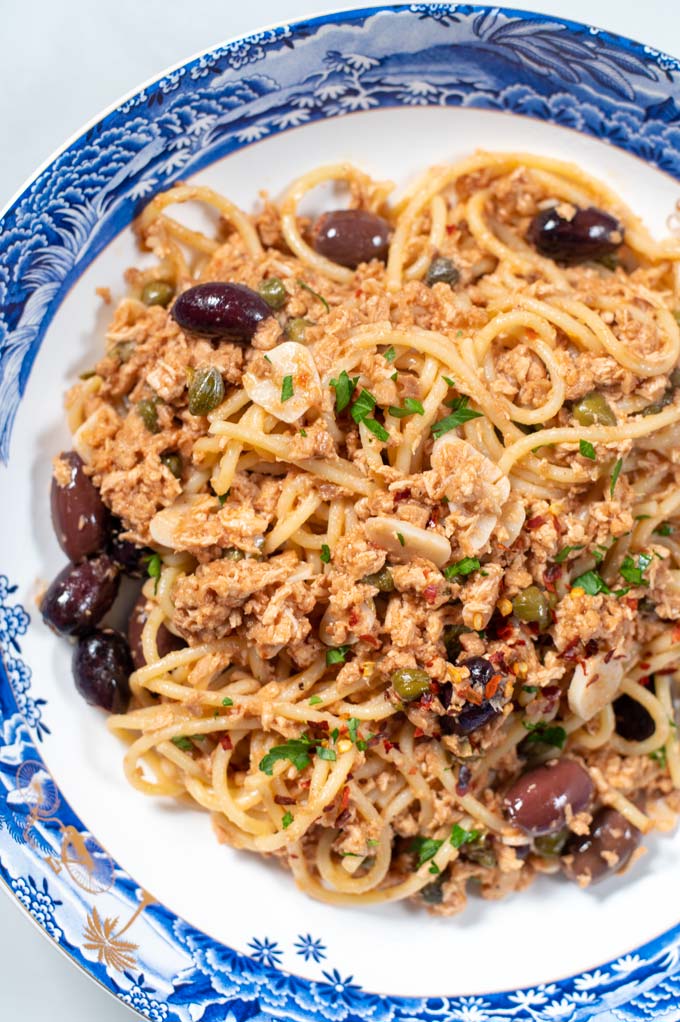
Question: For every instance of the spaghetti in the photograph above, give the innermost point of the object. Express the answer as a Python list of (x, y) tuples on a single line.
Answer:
[(421, 541)]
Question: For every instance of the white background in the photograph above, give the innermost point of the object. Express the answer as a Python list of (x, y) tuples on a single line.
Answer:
[(61, 64)]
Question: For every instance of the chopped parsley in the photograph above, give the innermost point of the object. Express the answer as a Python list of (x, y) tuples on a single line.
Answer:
[(434, 868), (303, 432), (659, 756), (633, 573), (665, 529), (400, 537), (337, 655), (325, 553), (410, 407), (286, 819), (352, 728), (344, 388), (227, 701), (153, 569), (460, 414), (561, 557), (390, 354), (315, 700), (394, 376), (325, 753), (379, 431), (183, 743), (599, 552), (463, 567), (586, 450), (549, 734), (426, 848), (447, 379), (531, 689), (297, 751), (223, 498), (615, 475), (287, 389), (460, 836), (372, 842), (592, 583), (363, 406), (316, 294)]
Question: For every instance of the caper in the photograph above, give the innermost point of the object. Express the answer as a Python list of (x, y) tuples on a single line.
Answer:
[(273, 292), (442, 271), (123, 351), (382, 580), (173, 462), (410, 683), (480, 851), (296, 329), (451, 636), (593, 408), (148, 413), (432, 894), (532, 605), (206, 390), (551, 844), (158, 292), (233, 554)]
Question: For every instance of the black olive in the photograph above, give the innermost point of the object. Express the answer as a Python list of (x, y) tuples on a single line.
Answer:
[(351, 236), (79, 516), (101, 670), (633, 722), (80, 596), (232, 311), (589, 234)]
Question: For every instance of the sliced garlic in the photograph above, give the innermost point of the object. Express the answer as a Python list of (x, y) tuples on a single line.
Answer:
[(334, 629), (449, 452), (289, 359), (414, 542), (594, 684), (511, 520), (164, 524)]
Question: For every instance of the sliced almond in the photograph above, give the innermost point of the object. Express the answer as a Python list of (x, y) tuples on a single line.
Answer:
[(287, 360), (594, 684), (406, 541)]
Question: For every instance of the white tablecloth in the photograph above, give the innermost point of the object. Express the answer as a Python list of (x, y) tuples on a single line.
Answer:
[(61, 64)]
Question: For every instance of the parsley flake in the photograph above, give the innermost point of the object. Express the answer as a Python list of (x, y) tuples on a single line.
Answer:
[(227, 701), (287, 389), (633, 573), (316, 294), (400, 537), (344, 388), (390, 354), (615, 475), (659, 756), (460, 836), (374, 427), (325, 753), (303, 432), (183, 743), (548, 734), (315, 700), (325, 553), (463, 567), (337, 655), (153, 569), (561, 557), (286, 819), (411, 407), (460, 414), (426, 848), (665, 529), (447, 379), (363, 406), (591, 583), (586, 450), (295, 750)]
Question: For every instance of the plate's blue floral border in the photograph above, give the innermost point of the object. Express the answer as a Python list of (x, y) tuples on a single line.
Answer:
[(258, 86)]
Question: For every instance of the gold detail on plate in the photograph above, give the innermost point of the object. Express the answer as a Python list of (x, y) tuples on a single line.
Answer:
[(104, 937)]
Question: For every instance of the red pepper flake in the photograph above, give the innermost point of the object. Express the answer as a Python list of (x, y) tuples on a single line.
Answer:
[(505, 632), (284, 800), (492, 686), (644, 666), (430, 593), (645, 680), (551, 575), (358, 293), (426, 698), (572, 651), (418, 733), (226, 742), (353, 617), (591, 647), (675, 633), (467, 692), (632, 602), (536, 522), (451, 229), (402, 494), (344, 801), (343, 818), (387, 745), (371, 640)]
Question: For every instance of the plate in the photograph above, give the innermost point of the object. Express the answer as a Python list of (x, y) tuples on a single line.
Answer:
[(139, 893)]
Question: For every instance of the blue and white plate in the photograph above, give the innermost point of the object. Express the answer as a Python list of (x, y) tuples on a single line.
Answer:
[(138, 892)]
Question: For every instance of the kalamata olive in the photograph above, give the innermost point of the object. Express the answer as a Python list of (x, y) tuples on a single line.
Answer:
[(351, 236), (442, 271), (158, 292), (102, 666), (481, 670), (382, 580), (79, 516), (589, 234), (633, 721), (130, 558), (536, 802), (165, 640), (232, 311), (470, 719), (410, 683), (605, 850), (80, 596)]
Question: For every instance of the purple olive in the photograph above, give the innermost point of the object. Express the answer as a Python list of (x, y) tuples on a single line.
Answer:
[(130, 558), (101, 670), (470, 719), (605, 850), (589, 234), (537, 801), (165, 640), (80, 596), (351, 236), (79, 516), (633, 722), (231, 311)]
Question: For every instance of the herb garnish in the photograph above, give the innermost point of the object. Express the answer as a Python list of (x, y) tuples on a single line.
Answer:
[(615, 476), (316, 294), (664, 529), (463, 567), (227, 701), (561, 557), (586, 450), (153, 569), (411, 407), (337, 655), (460, 836), (315, 700), (325, 554), (460, 414), (297, 751), (344, 388), (286, 819), (390, 354), (400, 537), (426, 849), (287, 390), (183, 743), (543, 731), (592, 583), (632, 572)]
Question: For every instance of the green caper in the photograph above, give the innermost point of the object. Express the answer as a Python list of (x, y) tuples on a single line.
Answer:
[(410, 683), (593, 408), (158, 292), (233, 554), (273, 292), (551, 844), (442, 271), (432, 894), (480, 851), (532, 605), (148, 413), (451, 636), (173, 462), (206, 390), (382, 580), (296, 329), (123, 351)]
